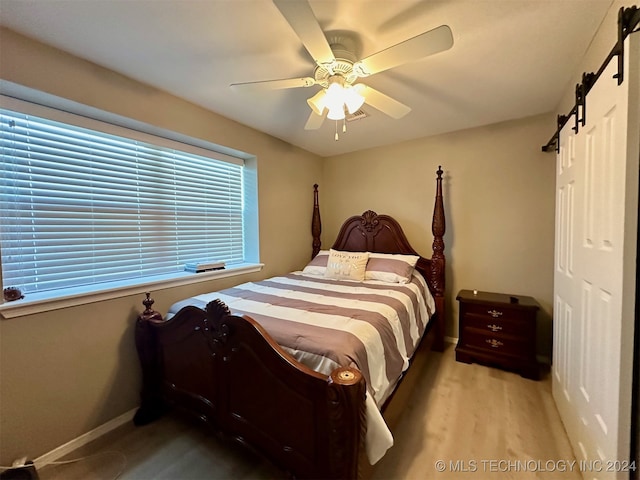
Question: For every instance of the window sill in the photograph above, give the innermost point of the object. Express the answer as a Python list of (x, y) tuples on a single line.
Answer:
[(46, 301)]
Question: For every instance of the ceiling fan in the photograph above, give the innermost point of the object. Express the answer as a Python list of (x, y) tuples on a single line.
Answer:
[(337, 67)]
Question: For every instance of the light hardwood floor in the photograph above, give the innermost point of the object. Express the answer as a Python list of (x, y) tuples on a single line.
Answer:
[(480, 422)]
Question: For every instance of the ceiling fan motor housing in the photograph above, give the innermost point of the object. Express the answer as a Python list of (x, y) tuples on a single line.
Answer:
[(343, 66)]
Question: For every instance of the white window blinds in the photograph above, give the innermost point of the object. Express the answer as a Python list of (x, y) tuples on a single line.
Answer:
[(81, 207)]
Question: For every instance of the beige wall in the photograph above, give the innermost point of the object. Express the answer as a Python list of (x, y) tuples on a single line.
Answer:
[(68, 371), (499, 202)]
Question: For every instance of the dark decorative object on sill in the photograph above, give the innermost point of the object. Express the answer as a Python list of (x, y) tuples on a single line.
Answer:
[(12, 293)]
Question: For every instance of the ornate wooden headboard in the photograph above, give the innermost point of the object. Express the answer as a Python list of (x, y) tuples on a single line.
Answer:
[(371, 232)]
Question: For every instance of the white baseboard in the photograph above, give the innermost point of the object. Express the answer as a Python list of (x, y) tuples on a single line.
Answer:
[(83, 439)]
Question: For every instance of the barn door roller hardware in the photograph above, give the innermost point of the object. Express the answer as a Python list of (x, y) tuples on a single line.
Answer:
[(628, 21)]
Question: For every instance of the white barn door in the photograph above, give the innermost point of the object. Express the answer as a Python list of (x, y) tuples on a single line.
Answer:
[(595, 270)]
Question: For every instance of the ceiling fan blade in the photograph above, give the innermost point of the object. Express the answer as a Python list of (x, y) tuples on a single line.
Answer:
[(384, 103), (300, 16), (276, 84), (420, 46), (314, 121)]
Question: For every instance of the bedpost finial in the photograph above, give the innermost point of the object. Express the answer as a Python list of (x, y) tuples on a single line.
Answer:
[(148, 302), (439, 172), (149, 314)]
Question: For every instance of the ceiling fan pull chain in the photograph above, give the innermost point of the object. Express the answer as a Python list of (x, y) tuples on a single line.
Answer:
[(344, 125), (336, 137)]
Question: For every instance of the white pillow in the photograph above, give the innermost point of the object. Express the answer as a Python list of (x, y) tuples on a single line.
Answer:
[(392, 268), (318, 265), (346, 265)]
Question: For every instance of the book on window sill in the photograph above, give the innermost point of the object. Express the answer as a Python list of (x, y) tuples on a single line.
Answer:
[(198, 267)]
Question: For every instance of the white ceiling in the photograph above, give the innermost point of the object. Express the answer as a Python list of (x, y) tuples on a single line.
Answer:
[(510, 58)]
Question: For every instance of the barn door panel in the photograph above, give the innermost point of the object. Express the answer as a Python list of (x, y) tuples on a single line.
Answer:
[(594, 279)]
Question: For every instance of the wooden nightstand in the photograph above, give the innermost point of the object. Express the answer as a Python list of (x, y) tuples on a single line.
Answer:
[(498, 329)]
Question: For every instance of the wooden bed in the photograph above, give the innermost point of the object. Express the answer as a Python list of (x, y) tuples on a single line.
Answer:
[(232, 375)]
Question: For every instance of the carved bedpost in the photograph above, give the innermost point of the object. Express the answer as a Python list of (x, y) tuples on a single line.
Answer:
[(437, 280), (343, 462), (316, 224), (151, 403)]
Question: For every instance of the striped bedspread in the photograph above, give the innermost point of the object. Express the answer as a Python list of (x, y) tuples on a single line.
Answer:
[(372, 325)]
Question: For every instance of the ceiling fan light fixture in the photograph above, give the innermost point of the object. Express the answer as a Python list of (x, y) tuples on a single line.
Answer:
[(318, 102), (336, 97), (335, 93), (336, 112), (352, 99)]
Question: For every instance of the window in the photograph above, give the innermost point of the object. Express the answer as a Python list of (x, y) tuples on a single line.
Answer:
[(85, 206)]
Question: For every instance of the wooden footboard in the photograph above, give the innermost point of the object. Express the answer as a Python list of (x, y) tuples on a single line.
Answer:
[(229, 373)]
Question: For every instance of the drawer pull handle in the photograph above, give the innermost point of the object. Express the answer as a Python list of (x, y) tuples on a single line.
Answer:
[(494, 328), (494, 313), (494, 343)]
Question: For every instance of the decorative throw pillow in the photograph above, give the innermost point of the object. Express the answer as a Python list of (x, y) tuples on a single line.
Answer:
[(346, 265), (318, 265), (392, 268)]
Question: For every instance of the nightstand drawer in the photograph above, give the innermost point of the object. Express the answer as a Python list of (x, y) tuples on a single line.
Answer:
[(495, 343), (508, 324), (493, 313)]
